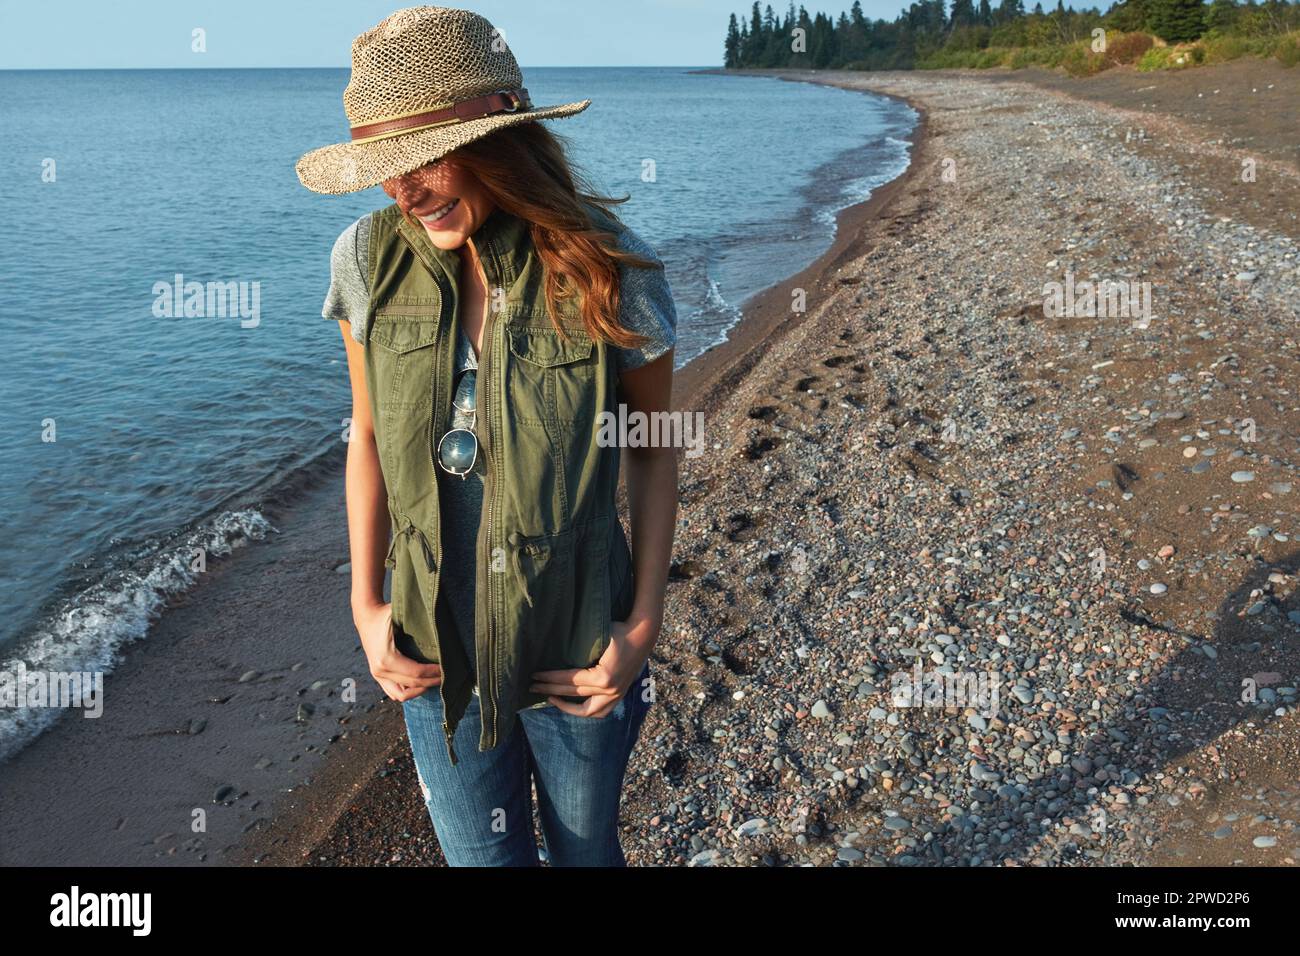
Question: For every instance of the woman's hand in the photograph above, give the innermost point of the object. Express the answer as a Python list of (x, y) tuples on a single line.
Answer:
[(605, 683), (400, 677)]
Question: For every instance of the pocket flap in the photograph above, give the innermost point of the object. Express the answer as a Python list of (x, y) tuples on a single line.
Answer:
[(400, 334), (545, 347)]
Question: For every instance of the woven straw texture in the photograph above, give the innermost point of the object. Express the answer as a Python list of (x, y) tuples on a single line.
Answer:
[(418, 59)]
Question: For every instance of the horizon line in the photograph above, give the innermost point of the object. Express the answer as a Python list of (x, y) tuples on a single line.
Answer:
[(124, 69)]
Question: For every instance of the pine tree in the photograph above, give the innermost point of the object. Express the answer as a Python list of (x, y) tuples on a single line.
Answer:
[(1177, 21), (1008, 10), (1221, 15), (757, 42), (963, 13), (731, 56)]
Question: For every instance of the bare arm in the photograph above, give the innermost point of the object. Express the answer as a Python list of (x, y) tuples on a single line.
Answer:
[(652, 501), (368, 523), (367, 497)]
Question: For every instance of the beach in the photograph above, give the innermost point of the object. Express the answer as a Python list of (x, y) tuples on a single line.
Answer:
[(921, 471)]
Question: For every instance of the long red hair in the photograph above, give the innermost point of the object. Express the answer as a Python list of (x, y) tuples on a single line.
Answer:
[(525, 171)]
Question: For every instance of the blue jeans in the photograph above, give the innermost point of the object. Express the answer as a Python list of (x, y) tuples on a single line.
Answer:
[(482, 808)]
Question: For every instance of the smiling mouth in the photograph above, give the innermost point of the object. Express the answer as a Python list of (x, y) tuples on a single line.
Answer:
[(439, 214)]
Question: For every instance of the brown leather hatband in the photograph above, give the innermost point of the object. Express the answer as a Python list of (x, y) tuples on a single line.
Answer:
[(504, 101)]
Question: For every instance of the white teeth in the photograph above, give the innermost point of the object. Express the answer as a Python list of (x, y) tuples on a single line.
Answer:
[(440, 212)]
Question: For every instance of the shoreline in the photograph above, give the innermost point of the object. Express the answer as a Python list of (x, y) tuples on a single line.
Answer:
[(765, 315)]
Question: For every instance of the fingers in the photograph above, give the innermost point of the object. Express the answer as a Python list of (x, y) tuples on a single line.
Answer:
[(398, 691), (407, 680), (391, 690), (573, 683), (593, 707), (402, 666), (409, 693)]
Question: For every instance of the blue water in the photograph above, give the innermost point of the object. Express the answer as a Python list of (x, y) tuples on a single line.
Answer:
[(166, 430)]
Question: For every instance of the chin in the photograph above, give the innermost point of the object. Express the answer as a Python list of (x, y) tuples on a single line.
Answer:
[(446, 239)]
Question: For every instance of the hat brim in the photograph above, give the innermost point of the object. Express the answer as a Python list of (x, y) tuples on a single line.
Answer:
[(350, 167)]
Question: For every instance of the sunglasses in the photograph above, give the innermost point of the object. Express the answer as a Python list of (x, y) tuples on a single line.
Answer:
[(458, 449)]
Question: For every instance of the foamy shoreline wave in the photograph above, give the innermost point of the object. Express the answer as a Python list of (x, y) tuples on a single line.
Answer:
[(88, 632)]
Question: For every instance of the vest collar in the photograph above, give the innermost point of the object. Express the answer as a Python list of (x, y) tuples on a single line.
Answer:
[(501, 240)]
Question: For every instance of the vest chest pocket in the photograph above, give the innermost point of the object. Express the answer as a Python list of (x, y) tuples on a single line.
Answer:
[(552, 380), (401, 357)]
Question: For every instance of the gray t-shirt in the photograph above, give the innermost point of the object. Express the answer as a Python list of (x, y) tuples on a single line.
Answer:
[(645, 298), (646, 306)]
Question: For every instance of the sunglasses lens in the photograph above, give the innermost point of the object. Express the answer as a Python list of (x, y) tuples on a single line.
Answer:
[(463, 400), (457, 450)]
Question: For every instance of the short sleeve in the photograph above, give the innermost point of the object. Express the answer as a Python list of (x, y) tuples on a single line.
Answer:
[(348, 297), (645, 305)]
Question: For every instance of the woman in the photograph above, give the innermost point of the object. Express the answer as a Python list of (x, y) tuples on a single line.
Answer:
[(491, 314)]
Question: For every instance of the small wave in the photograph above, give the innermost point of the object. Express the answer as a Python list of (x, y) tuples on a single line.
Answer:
[(716, 312), (89, 631), (715, 303), (861, 189)]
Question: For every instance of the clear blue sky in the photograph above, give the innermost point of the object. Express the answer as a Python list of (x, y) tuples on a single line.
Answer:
[(106, 34)]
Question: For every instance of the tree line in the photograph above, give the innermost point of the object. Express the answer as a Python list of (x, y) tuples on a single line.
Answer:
[(929, 34)]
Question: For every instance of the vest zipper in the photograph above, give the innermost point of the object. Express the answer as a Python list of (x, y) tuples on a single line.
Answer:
[(489, 488), (433, 477)]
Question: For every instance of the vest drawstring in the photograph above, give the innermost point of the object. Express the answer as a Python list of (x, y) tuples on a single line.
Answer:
[(519, 543), (427, 548), (391, 562)]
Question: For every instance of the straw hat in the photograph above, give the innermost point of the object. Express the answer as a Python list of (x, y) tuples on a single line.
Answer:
[(425, 81)]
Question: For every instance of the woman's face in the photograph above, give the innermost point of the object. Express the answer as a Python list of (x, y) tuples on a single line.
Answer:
[(446, 198)]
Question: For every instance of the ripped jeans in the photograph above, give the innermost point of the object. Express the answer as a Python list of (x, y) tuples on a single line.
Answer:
[(482, 808)]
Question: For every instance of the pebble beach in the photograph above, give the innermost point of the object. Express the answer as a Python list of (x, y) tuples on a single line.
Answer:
[(926, 470)]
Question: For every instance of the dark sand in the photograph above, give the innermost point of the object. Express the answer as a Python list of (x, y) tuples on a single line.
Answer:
[(125, 789)]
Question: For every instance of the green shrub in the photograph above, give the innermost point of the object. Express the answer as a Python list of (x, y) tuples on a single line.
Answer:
[(1079, 60), (1154, 58), (1221, 49), (1021, 58), (1288, 50)]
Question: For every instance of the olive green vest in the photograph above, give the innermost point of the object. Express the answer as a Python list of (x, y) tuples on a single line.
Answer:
[(554, 567)]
